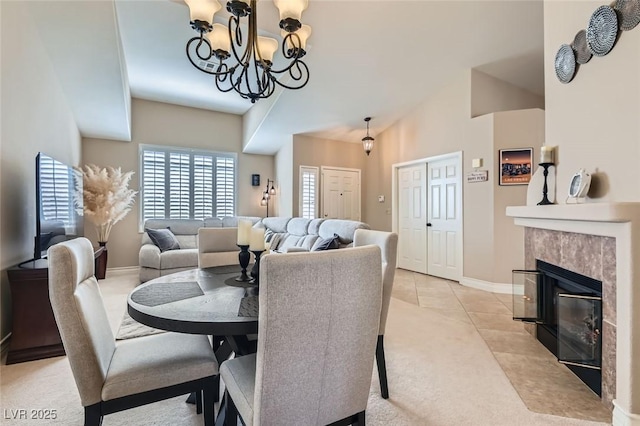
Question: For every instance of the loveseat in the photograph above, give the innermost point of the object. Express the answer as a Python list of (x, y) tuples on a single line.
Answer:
[(154, 263)]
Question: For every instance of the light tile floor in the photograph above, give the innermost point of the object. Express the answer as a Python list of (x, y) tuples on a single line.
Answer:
[(544, 385)]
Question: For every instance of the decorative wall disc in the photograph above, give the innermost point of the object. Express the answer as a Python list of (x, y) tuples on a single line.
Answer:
[(583, 54), (628, 13), (565, 63), (602, 30)]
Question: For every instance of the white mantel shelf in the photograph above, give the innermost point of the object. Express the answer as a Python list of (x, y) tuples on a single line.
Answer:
[(588, 212)]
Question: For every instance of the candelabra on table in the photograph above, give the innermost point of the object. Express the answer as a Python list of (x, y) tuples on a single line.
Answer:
[(255, 272), (243, 258)]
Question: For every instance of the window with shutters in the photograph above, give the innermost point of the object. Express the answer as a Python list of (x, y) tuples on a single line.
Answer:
[(308, 192), (182, 183)]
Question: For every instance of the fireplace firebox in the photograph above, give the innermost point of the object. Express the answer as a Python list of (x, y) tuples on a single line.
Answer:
[(567, 310)]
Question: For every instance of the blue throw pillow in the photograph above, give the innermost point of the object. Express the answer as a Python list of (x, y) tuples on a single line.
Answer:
[(328, 243), (163, 239)]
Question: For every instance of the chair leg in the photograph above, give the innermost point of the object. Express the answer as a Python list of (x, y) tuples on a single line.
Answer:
[(216, 390), (230, 411), (360, 419), (382, 367), (199, 402), (207, 402), (92, 415)]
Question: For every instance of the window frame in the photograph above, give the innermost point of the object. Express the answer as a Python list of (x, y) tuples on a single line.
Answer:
[(316, 172), (167, 149)]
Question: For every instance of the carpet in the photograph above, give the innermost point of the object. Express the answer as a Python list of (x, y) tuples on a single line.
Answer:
[(130, 328)]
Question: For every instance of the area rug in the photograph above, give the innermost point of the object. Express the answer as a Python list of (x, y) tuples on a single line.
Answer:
[(130, 328)]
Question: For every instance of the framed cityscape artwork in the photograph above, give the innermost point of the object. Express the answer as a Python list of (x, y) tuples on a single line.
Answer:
[(515, 166)]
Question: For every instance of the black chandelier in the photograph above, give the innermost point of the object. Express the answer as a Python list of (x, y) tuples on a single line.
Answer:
[(247, 67)]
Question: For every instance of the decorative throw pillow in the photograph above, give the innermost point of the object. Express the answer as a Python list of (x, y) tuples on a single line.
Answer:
[(163, 238), (328, 243)]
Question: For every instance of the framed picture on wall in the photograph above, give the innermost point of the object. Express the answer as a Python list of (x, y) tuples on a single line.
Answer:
[(515, 166)]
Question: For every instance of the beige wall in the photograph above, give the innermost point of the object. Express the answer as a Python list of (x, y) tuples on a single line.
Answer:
[(35, 117), (443, 124), (489, 94), (284, 183), (512, 129), (163, 124), (317, 152), (594, 119)]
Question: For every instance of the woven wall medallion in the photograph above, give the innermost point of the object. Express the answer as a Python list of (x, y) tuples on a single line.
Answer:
[(602, 30), (565, 63), (628, 13), (583, 54)]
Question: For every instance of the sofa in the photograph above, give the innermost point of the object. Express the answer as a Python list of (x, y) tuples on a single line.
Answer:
[(288, 234), (154, 263)]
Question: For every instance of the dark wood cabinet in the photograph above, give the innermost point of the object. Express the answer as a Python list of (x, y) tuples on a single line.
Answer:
[(35, 333)]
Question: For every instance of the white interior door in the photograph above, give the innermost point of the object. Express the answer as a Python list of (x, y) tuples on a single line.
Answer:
[(340, 193), (412, 218), (444, 228)]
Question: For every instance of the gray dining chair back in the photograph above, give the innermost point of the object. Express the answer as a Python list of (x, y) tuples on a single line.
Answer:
[(318, 322), (113, 377), (81, 317), (388, 243)]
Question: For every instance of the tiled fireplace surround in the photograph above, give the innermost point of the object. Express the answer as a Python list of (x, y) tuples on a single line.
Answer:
[(602, 241), (595, 257)]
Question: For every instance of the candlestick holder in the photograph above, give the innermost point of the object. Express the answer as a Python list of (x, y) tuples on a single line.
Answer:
[(255, 272), (545, 201), (243, 258)]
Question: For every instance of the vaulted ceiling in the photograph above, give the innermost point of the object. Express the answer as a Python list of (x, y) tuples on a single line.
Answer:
[(366, 58)]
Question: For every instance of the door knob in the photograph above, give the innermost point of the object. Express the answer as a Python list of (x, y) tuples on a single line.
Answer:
[(428, 223)]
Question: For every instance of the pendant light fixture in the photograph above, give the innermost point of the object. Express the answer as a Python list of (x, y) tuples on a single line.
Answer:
[(367, 141)]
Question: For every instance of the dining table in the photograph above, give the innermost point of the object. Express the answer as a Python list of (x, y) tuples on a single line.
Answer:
[(206, 301), (209, 301)]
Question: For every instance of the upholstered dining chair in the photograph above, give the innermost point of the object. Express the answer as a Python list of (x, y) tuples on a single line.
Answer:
[(388, 243), (318, 320), (114, 376)]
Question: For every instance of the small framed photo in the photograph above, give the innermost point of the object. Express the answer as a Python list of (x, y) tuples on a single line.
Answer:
[(515, 166)]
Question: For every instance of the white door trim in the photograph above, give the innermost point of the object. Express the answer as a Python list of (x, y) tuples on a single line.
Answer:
[(394, 193)]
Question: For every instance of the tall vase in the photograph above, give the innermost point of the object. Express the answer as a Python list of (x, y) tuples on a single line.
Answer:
[(101, 260)]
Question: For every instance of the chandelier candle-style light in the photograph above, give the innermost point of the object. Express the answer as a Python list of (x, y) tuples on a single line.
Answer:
[(246, 65)]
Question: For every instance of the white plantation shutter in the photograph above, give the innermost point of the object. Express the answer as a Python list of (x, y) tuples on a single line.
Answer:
[(225, 188), (308, 192), (179, 186), (202, 186), (153, 184), (180, 183)]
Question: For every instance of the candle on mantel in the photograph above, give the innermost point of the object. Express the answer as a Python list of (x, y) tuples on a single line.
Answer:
[(546, 155), (244, 231), (257, 239)]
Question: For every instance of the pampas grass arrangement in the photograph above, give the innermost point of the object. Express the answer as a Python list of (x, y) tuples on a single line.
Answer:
[(107, 197)]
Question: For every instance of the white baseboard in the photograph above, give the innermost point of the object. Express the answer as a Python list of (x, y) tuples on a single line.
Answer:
[(622, 418), (486, 285), (123, 270)]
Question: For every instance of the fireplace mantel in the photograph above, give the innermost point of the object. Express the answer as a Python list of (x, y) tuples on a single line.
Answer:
[(620, 221), (588, 212)]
